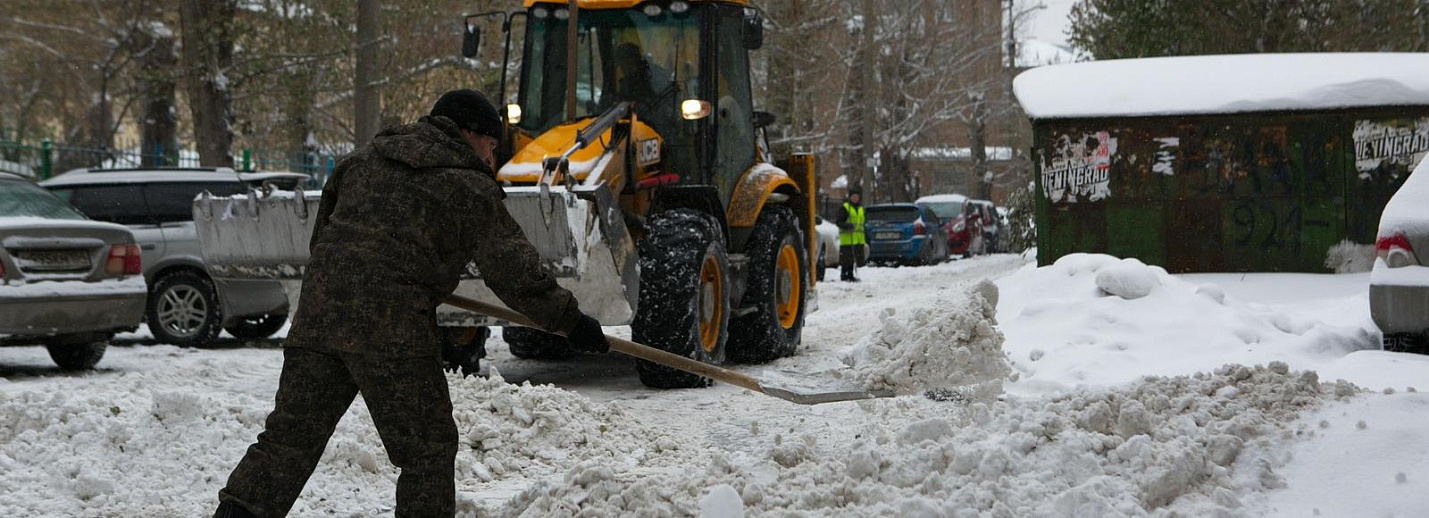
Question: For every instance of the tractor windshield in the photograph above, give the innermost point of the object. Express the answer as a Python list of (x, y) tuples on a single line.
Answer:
[(622, 55)]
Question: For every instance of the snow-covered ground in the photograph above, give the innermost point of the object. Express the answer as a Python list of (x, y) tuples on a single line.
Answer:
[(1112, 399)]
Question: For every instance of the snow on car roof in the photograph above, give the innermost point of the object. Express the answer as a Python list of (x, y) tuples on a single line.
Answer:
[(88, 176), (1406, 210), (1223, 84), (942, 197)]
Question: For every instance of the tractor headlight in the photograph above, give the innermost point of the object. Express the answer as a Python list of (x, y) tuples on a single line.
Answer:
[(652, 10), (695, 109), (513, 113), (541, 13), (562, 14), (679, 7)]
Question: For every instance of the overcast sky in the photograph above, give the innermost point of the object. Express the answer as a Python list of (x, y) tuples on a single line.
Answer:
[(1049, 24)]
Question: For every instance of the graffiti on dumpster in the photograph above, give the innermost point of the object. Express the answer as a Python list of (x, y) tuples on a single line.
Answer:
[(1397, 142), (1166, 155), (1080, 168)]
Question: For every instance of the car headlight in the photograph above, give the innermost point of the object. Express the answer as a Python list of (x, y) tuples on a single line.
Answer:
[(959, 226)]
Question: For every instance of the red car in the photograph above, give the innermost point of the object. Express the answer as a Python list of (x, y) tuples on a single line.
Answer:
[(962, 220)]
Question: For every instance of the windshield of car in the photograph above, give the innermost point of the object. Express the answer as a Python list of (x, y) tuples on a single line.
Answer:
[(622, 55), (22, 199), (945, 209), (893, 214)]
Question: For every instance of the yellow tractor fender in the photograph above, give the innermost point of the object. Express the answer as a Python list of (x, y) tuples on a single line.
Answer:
[(754, 189)]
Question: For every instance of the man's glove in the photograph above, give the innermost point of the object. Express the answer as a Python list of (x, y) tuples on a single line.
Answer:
[(465, 356), (588, 336)]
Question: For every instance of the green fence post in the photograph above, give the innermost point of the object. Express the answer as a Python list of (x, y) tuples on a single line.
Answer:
[(47, 149), (247, 160)]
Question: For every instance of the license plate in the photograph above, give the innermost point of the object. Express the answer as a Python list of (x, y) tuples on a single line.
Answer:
[(888, 236), (52, 260)]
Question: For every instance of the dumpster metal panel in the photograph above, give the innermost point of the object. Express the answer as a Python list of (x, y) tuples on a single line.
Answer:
[(1239, 192)]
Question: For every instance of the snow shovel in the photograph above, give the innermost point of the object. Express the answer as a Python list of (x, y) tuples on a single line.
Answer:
[(645, 352)]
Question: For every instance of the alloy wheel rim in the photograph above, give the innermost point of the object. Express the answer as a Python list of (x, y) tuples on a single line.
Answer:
[(182, 311)]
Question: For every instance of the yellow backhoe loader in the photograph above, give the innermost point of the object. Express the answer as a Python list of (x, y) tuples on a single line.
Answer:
[(635, 164)]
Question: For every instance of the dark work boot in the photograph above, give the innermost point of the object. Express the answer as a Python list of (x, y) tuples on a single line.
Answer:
[(231, 510)]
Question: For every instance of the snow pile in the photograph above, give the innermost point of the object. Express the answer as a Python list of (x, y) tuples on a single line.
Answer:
[(950, 345), (151, 446), (1183, 446), (1350, 257), (1095, 319), (533, 430), (1129, 279)]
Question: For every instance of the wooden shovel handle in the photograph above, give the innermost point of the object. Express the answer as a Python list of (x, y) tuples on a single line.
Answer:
[(628, 347)]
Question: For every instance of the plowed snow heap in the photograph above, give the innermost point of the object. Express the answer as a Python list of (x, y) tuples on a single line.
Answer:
[(952, 347)]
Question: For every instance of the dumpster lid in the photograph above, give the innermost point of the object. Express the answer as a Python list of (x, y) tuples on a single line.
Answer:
[(1223, 84)]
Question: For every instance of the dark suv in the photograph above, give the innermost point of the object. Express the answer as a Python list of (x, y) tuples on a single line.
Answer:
[(186, 305)]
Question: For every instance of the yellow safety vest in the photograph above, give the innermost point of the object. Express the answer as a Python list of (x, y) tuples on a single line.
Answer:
[(855, 235)]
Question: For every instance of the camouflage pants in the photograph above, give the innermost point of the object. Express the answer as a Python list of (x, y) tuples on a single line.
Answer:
[(410, 407)]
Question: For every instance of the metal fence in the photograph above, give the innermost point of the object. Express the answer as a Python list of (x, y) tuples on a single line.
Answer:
[(45, 159)]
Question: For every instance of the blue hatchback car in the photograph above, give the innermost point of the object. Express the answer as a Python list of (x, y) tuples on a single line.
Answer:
[(904, 233)]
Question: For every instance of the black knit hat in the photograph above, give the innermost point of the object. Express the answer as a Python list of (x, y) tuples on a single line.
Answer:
[(471, 111)]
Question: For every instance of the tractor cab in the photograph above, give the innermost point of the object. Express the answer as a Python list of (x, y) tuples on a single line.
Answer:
[(681, 67)]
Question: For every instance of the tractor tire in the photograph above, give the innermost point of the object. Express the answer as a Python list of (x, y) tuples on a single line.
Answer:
[(684, 295), (183, 309), (530, 344), (777, 288), (78, 353), (257, 327)]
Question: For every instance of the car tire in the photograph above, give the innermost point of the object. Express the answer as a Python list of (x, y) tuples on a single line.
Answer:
[(183, 309), (257, 327), (77, 355), (1406, 343), (777, 286), (684, 295), (531, 344), (820, 268)]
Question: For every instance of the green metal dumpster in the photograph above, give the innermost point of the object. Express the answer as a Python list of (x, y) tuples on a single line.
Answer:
[(1222, 163)]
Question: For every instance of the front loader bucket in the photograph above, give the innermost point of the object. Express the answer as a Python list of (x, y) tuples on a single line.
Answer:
[(580, 237)]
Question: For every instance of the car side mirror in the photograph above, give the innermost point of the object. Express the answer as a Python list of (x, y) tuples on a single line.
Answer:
[(471, 41), (762, 119), (753, 32)]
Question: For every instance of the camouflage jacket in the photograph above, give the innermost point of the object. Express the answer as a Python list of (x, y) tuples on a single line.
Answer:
[(399, 220)]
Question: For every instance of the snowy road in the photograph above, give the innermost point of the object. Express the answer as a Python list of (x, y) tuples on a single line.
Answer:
[(155, 430)]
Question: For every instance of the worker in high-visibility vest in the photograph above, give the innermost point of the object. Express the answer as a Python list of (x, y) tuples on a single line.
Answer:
[(851, 238)]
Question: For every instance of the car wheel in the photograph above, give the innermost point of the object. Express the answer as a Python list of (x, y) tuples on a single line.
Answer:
[(183, 309), (1405, 343), (820, 267), (257, 327), (78, 354)]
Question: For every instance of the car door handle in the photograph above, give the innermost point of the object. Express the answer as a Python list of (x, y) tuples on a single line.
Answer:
[(150, 246)]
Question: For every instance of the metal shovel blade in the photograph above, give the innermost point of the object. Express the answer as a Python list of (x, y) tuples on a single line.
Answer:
[(804, 396)]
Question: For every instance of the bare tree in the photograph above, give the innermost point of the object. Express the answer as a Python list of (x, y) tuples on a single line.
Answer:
[(367, 103), (158, 118), (208, 56)]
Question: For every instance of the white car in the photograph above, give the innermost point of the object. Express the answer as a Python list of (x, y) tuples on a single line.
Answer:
[(828, 245), (1399, 283)]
